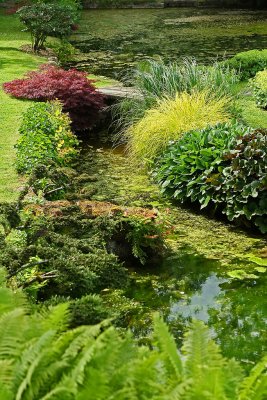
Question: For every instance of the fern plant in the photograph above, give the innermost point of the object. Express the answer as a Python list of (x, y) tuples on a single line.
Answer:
[(40, 359)]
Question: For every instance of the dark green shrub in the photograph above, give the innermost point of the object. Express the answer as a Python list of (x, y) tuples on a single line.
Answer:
[(259, 84), (88, 310), (187, 166), (248, 63), (242, 185), (45, 138)]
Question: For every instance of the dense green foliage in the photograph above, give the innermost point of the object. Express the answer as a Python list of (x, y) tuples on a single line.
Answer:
[(248, 63), (186, 167), (45, 138), (170, 119), (47, 19), (41, 359), (259, 84)]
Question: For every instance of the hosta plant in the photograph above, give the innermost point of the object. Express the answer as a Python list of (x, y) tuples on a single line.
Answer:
[(186, 167), (77, 93), (259, 84)]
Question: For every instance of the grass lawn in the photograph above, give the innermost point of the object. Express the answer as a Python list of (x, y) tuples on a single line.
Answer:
[(13, 64)]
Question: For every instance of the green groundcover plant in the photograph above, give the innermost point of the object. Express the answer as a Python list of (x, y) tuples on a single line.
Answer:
[(45, 138), (259, 85), (41, 359)]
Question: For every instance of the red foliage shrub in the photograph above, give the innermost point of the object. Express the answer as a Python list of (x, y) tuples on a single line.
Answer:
[(77, 93)]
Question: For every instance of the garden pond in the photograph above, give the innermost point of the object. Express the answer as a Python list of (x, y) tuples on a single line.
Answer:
[(112, 41), (212, 271)]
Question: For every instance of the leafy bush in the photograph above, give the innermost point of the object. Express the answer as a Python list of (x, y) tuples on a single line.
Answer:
[(155, 80), (77, 93), (259, 84), (248, 63), (188, 165), (41, 359), (172, 117), (47, 19), (45, 137), (63, 51)]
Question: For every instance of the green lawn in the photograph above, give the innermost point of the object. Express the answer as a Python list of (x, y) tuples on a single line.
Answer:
[(13, 64)]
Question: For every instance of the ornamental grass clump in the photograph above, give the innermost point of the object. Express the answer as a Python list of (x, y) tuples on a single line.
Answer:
[(170, 119)]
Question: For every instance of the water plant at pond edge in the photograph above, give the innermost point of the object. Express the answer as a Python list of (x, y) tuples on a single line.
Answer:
[(155, 80), (76, 92), (99, 361), (170, 119)]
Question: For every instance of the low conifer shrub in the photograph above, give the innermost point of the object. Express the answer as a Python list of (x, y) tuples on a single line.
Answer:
[(77, 93)]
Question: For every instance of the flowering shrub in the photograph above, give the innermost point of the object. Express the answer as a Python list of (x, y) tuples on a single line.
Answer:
[(45, 137), (77, 93)]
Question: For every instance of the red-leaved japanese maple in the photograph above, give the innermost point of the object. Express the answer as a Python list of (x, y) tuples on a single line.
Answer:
[(77, 93)]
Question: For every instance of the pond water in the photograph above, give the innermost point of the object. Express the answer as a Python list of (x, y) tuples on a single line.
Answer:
[(207, 272), (112, 41)]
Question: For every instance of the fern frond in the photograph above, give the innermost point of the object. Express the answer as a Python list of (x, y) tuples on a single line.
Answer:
[(204, 364), (254, 387), (30, 361), (167, 346), (12, 325)]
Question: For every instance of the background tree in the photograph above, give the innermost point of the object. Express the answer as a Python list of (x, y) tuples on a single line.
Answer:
[(48, 19)]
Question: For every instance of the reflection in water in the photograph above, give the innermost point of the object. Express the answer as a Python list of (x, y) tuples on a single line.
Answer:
[(199, 304)]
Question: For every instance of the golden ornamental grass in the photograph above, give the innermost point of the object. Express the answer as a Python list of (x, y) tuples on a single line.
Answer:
[(170, 119)]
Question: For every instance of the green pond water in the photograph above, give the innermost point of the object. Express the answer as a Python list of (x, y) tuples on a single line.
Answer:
[(112, 41), (208, 272)]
